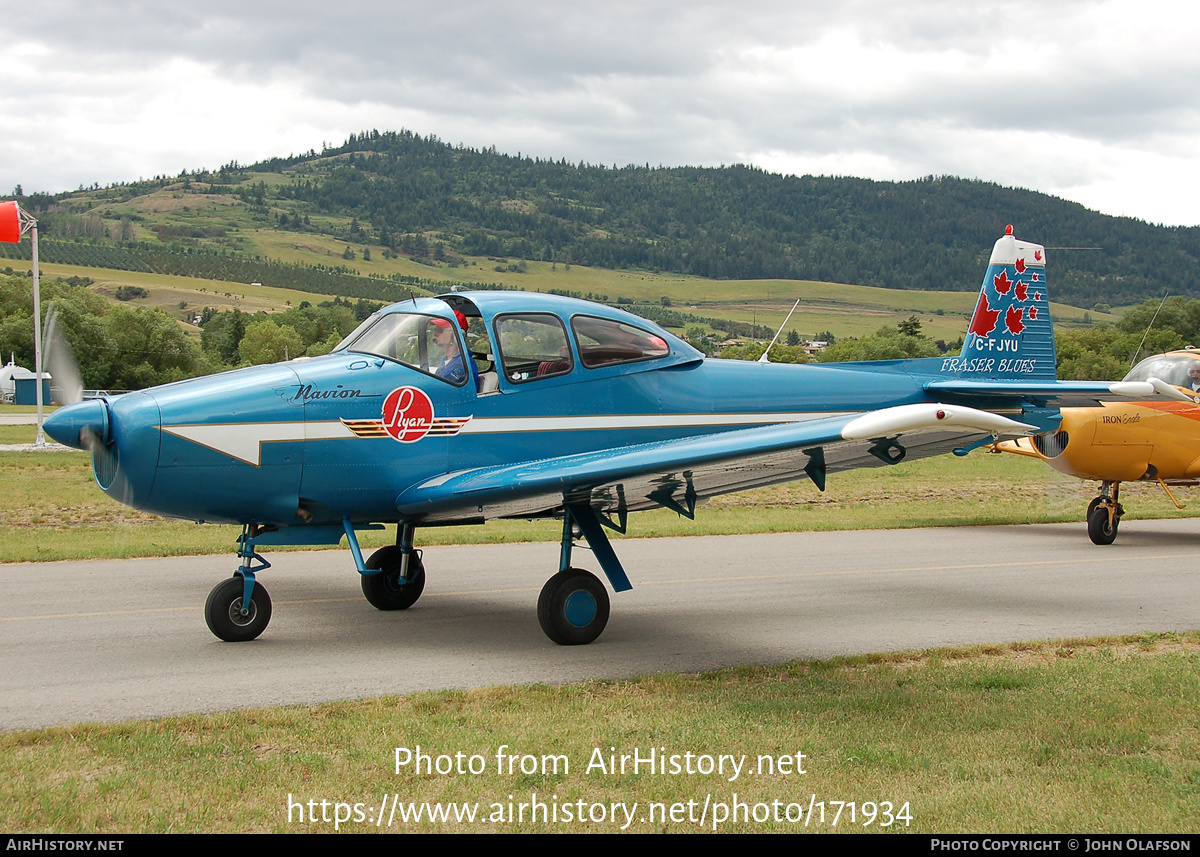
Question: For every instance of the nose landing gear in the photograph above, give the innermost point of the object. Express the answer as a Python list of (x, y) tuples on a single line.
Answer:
[(238, 608), (1104, 514), (233, 618)]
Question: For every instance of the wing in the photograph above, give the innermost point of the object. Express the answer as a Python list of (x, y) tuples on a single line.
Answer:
[(677, 473)]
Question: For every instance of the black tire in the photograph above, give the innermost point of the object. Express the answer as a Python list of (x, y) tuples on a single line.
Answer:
[(384, 590), (222, 611), (1092, 507), (1101, 530), (573, 607)]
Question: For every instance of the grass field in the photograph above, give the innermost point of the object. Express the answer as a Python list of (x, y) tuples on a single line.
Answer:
[(167, 291), (1050, 737)]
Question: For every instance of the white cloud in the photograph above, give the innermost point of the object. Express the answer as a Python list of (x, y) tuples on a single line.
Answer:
[(1093, 101)]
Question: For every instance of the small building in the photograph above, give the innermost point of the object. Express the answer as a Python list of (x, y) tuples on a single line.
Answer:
[(19, 385)]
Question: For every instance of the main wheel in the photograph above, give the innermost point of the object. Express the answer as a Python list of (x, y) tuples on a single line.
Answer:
[(384, 590), (225, 617), (573, 607), (1101, 529)]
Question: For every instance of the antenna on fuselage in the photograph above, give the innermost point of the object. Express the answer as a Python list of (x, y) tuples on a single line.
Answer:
[(1133, 360), (764, 359)]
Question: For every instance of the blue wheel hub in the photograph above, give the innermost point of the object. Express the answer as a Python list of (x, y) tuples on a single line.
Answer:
[(580, 608)]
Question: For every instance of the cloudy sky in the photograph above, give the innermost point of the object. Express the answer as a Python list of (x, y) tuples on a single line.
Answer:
[(1098, 102)]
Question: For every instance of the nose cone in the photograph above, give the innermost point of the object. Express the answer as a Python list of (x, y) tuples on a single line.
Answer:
[(77, 425)]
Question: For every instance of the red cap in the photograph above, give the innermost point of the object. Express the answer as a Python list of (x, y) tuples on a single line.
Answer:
[(459, 317)]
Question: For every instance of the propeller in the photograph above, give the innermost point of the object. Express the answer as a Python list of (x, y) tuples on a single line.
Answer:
[(88, 423), (81, 424), (60, 359)]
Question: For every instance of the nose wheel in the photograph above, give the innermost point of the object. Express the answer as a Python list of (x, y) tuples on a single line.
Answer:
[(1104, 516), (233, 619)]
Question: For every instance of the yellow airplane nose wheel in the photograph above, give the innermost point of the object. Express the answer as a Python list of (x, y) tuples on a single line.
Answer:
[(1103, 518)]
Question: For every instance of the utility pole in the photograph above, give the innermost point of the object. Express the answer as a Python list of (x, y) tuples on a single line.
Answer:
[(14, 222)]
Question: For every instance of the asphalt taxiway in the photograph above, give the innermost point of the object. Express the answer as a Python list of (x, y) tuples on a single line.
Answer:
[(123, 639)]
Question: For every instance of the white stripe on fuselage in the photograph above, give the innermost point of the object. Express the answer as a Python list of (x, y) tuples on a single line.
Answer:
[(493, 425), (243, 441)]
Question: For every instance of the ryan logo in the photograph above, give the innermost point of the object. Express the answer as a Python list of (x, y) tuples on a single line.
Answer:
[(407, 418), (407, 414)]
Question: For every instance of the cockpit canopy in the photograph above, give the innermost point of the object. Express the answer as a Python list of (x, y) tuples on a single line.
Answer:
[(1172, 368), (524, 337)]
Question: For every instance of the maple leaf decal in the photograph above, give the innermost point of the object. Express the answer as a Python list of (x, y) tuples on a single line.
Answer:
[(1037, 296), (1012, 319), (1033, 313), (1022, 290), (1002, 283), (1020, 266), (984, 320), (1037, 254), (1036, 277)]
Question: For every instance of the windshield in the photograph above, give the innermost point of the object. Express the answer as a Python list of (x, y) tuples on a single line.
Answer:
[(424, 342), (1172, 368), (353, 335)]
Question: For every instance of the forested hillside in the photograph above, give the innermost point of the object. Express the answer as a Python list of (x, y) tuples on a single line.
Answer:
[(735, 222), (421, 198)]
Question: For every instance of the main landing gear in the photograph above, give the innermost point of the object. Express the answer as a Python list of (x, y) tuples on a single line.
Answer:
[(400, 580), (573, 607), (1104, 514)]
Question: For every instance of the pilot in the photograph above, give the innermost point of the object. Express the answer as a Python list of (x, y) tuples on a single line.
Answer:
[(1194, 377), (453, 367)]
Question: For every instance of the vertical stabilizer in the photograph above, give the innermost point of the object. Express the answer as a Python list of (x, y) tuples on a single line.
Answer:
[(1010, 335)]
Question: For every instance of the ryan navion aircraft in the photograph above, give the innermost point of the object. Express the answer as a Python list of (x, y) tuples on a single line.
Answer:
[(471, 406)]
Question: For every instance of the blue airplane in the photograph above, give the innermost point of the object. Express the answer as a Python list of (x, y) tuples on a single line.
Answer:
[(466, 407)]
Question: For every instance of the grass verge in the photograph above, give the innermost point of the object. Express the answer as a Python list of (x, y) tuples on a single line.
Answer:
[(1048, 737)]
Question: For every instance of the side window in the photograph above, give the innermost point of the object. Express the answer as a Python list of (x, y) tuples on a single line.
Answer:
[(604, 342), (532, 345)]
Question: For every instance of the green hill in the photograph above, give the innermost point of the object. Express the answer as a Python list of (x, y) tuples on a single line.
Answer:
[(430, 207)]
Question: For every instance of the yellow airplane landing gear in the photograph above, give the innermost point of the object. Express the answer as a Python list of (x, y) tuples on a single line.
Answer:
[(1104, 514)]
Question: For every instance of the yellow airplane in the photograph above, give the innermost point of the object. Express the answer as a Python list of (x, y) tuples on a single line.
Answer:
[(1148, 441)]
